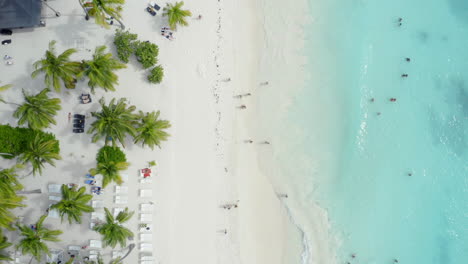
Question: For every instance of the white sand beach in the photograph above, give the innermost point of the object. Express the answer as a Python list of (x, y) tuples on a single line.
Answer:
[(204, 164)]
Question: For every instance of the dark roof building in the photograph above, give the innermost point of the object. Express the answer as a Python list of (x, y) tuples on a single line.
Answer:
[(20, 13)]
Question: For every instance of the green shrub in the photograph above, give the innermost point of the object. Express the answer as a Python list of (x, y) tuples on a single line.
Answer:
[(125, 43), (14, 140), (156, 75), (109, 153), (147, 53)]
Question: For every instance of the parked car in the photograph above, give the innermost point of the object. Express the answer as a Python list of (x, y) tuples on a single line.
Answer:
[(5, 31), (78, 125), (78, 121), (79, 116), (151, 10), (78, 130), (6, 42)]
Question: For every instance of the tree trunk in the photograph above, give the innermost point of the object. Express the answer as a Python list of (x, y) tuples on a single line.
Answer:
[(121, 24), (31, 259)]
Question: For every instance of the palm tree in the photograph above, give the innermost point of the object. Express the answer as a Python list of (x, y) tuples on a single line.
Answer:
[(40, 151), (9, 183), (100, 70), (4, 244), (33, 241), (110, 171), (58, 68), (151, 129), (4, 88), (38, 110), (73, 203), (175, 15), (112, 231), (6, 204), (102, 9), (114, 122)]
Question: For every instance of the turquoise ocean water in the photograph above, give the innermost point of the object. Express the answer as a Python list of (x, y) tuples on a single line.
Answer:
[(376, 209)]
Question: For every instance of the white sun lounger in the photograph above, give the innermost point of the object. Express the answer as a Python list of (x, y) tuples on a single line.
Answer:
[(121, 189), (146, 180), (55, 188), (98, 216), (55, 198), (146, 207), (147, 228), (74, 248), (146, 193), (146, 262), (146, 237), (146, 258), (146, 247), (117, 210), (95, 243), (96, 204), (121, 199), (53, 213), (146, 217)]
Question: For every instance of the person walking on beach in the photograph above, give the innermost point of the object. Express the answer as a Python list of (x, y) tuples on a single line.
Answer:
[(242, 107), (69, 117), (265, 142), (248, 141), (222, 231), (227, 80), (264, 83), (283, 195), (392, 99)]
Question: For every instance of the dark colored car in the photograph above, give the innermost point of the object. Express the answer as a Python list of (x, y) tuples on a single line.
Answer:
[(79, 116), (78, 125), (78, 130), (6, 42), (156, 7), (151, 11), (78, 121), (5, 31)]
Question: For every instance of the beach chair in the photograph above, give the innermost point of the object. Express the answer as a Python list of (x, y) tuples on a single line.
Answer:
[(146, 262), (145, 227), (53, 213), (147, 258), (146, 237), (117, 210), (95, 243), (55, 188), (121, 199), (97, 204), (146, 172), (146, 247), (146, 193), (55, 256), (146, 217), (146, 180), (146, 207), (98, 216), (55, 198), (121, 189)]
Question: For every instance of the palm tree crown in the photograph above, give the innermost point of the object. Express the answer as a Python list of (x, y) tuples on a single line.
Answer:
[(102, 9), (114, 121), (38, 110), (112, 231), (100, 70), (4, 88), (33, 241), (57, 68), (110, 171), (73, 203), (6, 204), (9, 183), (151, 129), (3, 245), (40, 151), (175, 15)]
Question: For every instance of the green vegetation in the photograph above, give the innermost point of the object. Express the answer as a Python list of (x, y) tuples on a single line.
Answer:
[(33, 241), (4, 88), (100, 70), (114, 122), (40, 151), (112, 231), (156, 75), (175, 15), (125, 42), (3, 245), (147, 53), (6, 204), (38, 111), (74, 202), (58, 69), (101, 9), (151, 132), (108, 153), (9, 183), (110, 171), (15, 140), (151, 163)]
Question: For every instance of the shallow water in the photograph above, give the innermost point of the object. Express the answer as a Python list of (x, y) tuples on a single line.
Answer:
[(366, 150)]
